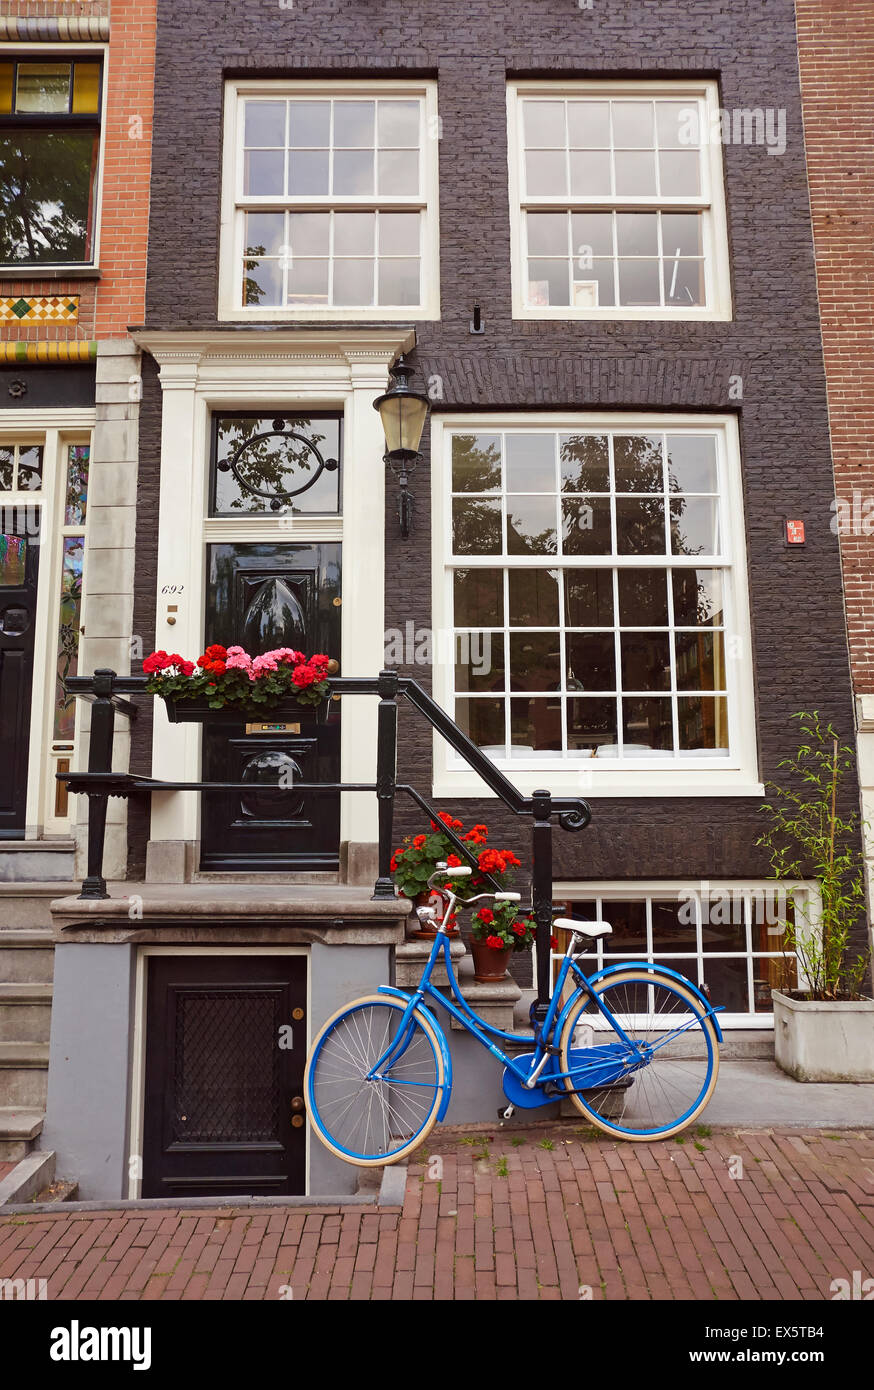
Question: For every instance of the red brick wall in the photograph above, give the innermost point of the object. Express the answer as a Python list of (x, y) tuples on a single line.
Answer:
[(836, 56), (117, 299)]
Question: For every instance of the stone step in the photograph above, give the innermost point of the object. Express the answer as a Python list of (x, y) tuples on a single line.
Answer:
[(27, 904), (61, 1190), (25, 861), (29, 1176), (495, 1003), (27, 956), (411, 958), (25, 1012), (24, 1074), (20, 1129)]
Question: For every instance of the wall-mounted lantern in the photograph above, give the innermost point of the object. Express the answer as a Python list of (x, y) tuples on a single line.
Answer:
[(403, 413)]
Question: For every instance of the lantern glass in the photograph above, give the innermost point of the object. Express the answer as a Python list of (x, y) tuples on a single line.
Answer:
[(403, 420)]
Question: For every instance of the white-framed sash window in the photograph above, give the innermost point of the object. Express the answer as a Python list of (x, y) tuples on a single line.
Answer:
[(617, 207), (727, 937), (591, 572), (330, 201)]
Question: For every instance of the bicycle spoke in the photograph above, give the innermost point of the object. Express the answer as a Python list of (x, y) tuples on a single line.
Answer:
[(373, 1116), (660, 1091)]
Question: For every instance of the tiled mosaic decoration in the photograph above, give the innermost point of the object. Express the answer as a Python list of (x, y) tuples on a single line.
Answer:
[(58, 308)]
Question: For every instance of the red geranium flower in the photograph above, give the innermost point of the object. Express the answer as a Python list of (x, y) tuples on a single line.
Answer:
[(553, 941), (448, 820), (304, 676), (518, 929), (452, 861), (418, 841), (155, 662), (495, 942), (486, 915)]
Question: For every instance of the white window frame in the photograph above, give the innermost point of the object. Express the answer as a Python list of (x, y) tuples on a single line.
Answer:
[(31, 270), (735, 775), (711, 201), (660, 890), (235, 204), (54, 430)]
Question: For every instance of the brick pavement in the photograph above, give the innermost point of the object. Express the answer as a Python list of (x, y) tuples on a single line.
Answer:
[(549, 1213)]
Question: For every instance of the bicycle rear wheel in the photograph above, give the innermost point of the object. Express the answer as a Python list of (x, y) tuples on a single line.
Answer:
[(660, 1096), (378, 1121)]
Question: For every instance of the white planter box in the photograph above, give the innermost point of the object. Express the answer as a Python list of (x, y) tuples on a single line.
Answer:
[(817, 1041)]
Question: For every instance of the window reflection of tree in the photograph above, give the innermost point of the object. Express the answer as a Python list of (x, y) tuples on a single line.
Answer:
[(273, 463)]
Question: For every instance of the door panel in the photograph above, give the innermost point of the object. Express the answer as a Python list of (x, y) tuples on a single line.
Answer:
[(264, 596), (226, 1044), (19, 565)]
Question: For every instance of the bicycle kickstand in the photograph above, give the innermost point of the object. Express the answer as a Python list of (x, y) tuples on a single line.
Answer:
[(508, 1113)]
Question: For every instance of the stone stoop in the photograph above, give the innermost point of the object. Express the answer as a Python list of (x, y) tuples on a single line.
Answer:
[(494, 1003), (26, 973), (28, 862)]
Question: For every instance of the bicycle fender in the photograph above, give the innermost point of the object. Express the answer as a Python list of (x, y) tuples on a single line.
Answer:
[(663, 970), (441, 1037)]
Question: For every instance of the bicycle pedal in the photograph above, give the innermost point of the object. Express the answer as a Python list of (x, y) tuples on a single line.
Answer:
[(508, 1113)]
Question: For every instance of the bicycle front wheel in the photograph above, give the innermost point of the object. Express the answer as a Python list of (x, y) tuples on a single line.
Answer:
[(378, 1120), (663, 1094)]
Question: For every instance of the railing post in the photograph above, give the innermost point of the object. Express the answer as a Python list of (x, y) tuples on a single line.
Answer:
[(386, 777), (541, 886), (99, 760)]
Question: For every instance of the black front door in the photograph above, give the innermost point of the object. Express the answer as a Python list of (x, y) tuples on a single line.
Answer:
[(263, 596), (226, 1043), (19, 563)]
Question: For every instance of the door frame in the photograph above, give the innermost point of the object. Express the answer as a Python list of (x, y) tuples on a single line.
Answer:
[(284, 371), (139, 1042), (53, 428)]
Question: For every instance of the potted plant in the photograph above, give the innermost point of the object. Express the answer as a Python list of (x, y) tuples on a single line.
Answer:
[(229, 680), (496, 932), (824, 1027), (417, 858)]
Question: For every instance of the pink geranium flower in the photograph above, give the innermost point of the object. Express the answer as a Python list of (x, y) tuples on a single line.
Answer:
[(238, 660)]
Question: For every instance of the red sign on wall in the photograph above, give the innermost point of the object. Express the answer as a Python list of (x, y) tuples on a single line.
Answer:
[(795, 533)]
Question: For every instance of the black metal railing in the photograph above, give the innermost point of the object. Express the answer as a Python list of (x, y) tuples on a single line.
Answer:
[(106, 691)]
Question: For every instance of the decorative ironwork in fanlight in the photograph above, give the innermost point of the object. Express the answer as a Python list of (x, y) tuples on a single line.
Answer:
[(297, 450)]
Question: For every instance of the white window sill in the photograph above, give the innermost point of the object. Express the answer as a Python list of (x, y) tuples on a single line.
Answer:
[(627, 782), (274, 314), (562, 313)]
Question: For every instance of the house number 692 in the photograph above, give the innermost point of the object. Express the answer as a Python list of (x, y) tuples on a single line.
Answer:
[(172, 588)]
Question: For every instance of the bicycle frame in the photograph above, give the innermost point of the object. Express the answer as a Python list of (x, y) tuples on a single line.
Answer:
[(538, 1072)]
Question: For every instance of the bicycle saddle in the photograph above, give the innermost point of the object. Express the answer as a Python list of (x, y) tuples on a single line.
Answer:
[(594, 930)]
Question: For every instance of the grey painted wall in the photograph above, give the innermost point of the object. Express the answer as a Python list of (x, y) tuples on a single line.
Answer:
[(88, 1105)]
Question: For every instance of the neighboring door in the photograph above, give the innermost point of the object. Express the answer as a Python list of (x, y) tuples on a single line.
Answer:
[(19, 564), (263, 596), (226, 1043)]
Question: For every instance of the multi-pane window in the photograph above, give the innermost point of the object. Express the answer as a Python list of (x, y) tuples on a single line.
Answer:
[(618, 203), (333, 201), (49, 142), (591, 588), (728, 938)]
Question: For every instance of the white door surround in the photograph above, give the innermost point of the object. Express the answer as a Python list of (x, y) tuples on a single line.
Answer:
[(285, 370)]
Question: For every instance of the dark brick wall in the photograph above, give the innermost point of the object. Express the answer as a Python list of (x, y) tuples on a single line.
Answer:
[(773, 341)]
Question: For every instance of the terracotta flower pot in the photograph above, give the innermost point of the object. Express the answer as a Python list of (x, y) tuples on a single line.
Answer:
[(489, 965)]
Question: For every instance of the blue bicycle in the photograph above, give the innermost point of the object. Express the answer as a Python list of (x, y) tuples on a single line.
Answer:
[(635, 1046)]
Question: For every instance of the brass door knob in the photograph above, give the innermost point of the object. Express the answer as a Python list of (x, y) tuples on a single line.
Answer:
[(297, 1103), (333, 667)]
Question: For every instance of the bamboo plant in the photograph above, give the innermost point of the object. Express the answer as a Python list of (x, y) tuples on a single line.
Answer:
[(810, 836)]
